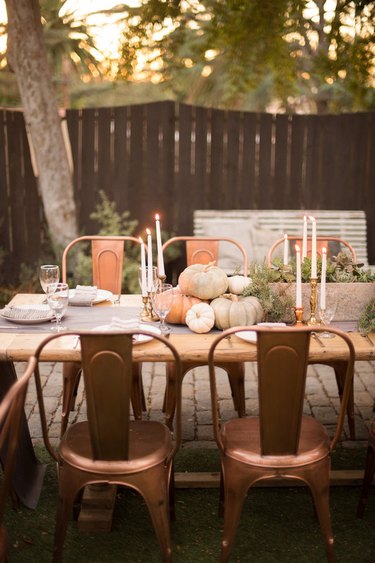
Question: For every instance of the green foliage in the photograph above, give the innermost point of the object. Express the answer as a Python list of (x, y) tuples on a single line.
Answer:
[(277, 305), (366, 322)]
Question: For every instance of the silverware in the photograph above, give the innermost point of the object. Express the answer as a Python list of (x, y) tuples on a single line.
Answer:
[(320, 342), (75, 341)]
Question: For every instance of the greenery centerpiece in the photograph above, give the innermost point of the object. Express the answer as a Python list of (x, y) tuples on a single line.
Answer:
[(275, 287)]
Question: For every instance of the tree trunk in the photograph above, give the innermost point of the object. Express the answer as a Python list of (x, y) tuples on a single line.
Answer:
[(28, 58)]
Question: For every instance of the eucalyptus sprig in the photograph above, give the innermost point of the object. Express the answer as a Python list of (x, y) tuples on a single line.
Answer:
[(366, 322)]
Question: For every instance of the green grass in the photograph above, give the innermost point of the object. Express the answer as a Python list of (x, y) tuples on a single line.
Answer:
[(278, 524)]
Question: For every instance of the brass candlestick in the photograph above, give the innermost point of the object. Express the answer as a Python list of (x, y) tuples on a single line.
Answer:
[(298, 311), (313, 284), (145, 314), (152, 315)]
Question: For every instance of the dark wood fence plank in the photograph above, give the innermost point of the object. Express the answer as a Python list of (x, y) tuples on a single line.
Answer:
[(183, 216), (265, 184), (105, 152), (232, 161), (88, 188), (121, 158), (314, 148), (294, 195), (281, 178), (201, 187), (248, 188), (5, 226), (216, 159), (136, 161)]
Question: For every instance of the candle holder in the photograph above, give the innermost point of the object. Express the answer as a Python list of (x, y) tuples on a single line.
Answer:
[(162, 278), (313, 301), (298, 311), (146, 313), (152, 315)]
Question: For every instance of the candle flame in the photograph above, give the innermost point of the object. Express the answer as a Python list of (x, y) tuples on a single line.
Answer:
[(297, 248), (311, 218), (324, 250), (285, 236), (148, 231), (157, 217)]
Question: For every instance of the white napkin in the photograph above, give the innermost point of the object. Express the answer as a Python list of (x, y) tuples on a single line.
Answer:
[(33, 312), (129, 324), (84, 295)]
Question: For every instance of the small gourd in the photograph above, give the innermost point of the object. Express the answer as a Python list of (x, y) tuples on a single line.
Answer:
[(237, 284), (204, 281), (200, 318), (236, 310)]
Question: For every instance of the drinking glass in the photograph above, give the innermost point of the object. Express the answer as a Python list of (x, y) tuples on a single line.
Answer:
[(58, 299), (327, 314), (162, 299), (48, 273)]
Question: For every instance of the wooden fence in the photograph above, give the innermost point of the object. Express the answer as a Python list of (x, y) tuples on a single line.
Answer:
[(174, 158)]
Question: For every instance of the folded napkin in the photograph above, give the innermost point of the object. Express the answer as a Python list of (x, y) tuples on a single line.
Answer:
[(129, 324), (83, 295), (28, 313)]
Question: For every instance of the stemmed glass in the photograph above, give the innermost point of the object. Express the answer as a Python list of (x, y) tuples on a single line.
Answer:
[(154, 276), (48, 273), (327, 314), (162, 299), (58, 299)]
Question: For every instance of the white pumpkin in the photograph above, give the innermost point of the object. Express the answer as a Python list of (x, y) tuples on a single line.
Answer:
[(237, 283), (235, 310), (205, 281), (200, 318)]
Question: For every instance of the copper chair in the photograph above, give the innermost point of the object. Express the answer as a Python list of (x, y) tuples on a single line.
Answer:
[(203, 250), (109, 447), (369, 472), (338, 244), (11, 412), (280, 443), (107, 254)]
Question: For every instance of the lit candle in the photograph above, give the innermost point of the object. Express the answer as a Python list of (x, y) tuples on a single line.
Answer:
[(149, 260), (161, 271), (304, 238), (313, 248), (298, 278), (143, 269), (286, 250), (323, 279)]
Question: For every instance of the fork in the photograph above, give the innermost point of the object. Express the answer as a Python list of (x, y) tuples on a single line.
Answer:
[(320, 342)]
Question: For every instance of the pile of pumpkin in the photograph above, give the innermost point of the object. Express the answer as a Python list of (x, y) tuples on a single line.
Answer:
[(207, 297)]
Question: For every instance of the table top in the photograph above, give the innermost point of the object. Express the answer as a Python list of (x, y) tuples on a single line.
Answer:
[(18, 346)]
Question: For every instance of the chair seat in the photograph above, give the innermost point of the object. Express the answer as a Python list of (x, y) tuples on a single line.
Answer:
[(150, 442), (243, 437)]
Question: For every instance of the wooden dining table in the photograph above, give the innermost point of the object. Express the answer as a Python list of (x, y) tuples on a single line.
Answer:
[(18, 343)]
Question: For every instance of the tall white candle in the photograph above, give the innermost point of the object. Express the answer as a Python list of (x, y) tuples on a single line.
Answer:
[(323, 279), (313, 247), (304, 238), (298, 278), (143, 269), (160, 259), (149, 260), (286, 250)]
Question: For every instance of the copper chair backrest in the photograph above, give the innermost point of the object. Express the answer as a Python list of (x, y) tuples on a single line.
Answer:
[(282, 356), (321, 242), (203, 250), (106, 359), (107, 260), (282, 367)]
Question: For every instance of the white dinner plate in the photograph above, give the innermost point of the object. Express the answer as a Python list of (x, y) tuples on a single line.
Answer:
[(141, 338), (23, 314), (102, 295), (251, 335)]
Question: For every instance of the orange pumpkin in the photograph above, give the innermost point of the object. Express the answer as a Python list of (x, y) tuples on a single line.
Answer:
[(181, 305)]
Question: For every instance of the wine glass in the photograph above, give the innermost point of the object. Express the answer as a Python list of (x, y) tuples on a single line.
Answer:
[(58, 299), (162, 299), (327, 314), (48, 273)]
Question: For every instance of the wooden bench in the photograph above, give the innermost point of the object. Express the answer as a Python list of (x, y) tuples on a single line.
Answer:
[(258, 229)]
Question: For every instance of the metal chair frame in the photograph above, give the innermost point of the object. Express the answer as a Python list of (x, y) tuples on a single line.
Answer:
[(281, 442), (321, 242)]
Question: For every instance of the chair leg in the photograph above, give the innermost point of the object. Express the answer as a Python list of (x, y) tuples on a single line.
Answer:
[(235, 489), (340, 372), (318, 480), (367, 480), (137, 396), (154, 489), (64, 512), (71, 375)]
